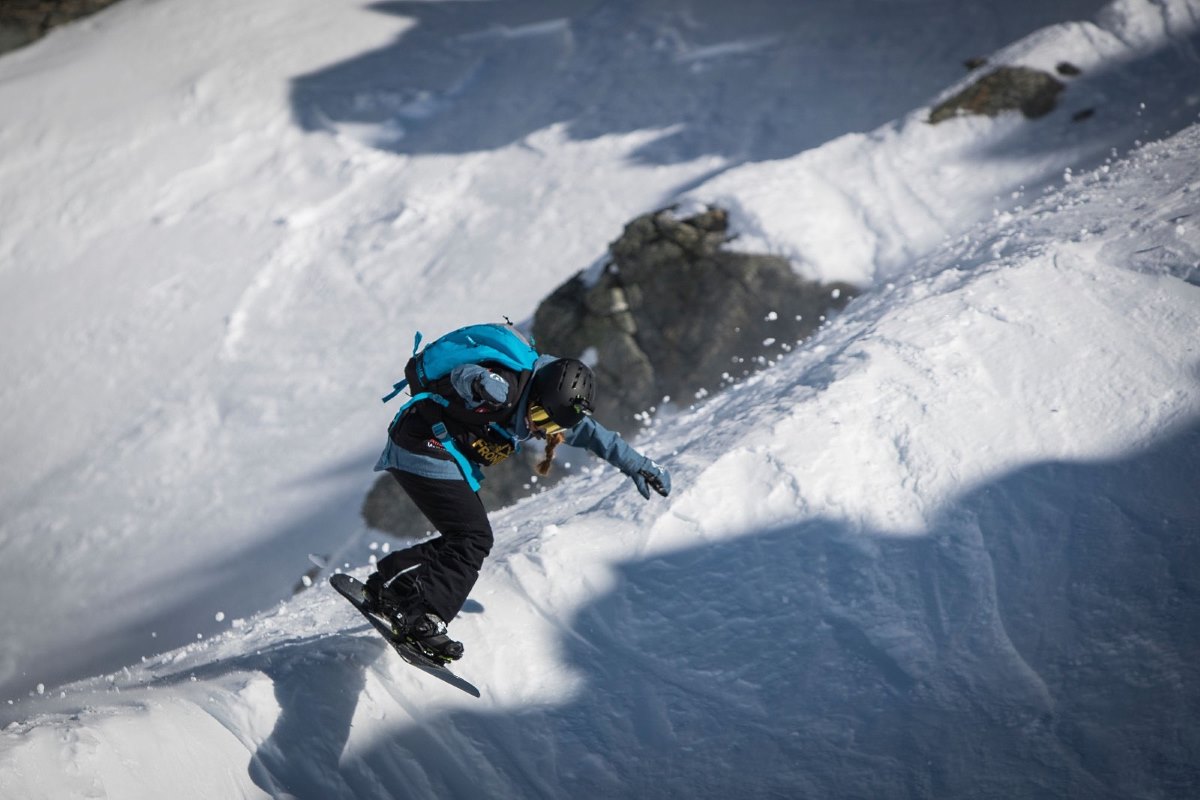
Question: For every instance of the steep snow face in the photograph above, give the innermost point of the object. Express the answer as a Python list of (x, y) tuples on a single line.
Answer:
[(211, 263), (945, 548), (930, 553)]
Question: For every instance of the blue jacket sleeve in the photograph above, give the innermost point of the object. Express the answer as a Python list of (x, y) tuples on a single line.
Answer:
[(594, 437)]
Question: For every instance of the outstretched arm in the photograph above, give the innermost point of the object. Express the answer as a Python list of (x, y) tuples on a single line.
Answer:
[(646, 474)]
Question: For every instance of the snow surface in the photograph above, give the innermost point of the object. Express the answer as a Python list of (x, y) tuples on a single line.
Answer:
[(935, 551)]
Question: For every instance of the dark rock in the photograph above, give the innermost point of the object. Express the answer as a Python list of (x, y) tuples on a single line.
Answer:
[(1068, 69), (673, 311), (24, 21), (975, 63), (1030, 91), (1080, 116)]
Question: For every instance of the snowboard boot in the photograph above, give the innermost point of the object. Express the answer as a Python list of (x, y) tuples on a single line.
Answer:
[(429, 633), (389, 599)]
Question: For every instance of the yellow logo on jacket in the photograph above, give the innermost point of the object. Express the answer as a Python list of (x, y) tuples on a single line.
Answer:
[(492, 453)]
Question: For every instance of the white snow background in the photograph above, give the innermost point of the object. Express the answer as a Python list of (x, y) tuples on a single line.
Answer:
[(221, 222)]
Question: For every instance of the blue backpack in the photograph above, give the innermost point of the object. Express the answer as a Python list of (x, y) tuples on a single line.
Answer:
[(427, 376), (474, 344)]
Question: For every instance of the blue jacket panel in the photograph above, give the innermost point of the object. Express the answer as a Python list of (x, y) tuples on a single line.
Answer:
[(394, 457)]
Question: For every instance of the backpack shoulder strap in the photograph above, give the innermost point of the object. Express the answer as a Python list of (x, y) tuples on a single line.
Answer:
[(470, 472)]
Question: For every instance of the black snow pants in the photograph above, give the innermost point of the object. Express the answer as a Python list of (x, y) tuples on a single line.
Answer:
[(447, 566)]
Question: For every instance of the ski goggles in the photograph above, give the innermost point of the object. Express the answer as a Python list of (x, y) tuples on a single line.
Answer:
[(539, 418)]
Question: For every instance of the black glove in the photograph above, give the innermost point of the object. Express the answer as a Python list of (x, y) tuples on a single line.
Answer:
[(652, 476)]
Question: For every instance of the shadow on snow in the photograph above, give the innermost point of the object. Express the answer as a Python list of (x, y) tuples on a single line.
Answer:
[(747, 82), (1039, 641)]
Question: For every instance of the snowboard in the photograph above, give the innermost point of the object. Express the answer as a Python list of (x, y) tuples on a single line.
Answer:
[(354, 591)]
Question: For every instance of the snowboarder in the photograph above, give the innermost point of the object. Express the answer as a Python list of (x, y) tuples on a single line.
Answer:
[(433, 448)]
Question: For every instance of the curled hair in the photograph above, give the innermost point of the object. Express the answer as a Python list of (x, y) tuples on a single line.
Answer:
[(552, 443)]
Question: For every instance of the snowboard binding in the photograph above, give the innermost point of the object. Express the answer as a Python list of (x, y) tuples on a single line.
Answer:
[(400, 603)]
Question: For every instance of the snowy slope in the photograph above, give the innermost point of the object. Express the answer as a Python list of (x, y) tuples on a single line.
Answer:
[(210, 264), (754, 626), (862, 208), (937, 530)]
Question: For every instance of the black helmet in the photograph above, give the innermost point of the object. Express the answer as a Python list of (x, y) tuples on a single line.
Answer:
[(564, 390)]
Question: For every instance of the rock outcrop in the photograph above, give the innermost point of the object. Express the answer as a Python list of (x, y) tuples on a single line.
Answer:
[(673, 313), (1032, 92)]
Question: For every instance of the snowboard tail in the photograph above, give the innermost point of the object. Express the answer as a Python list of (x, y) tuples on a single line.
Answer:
[(354, 591)]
